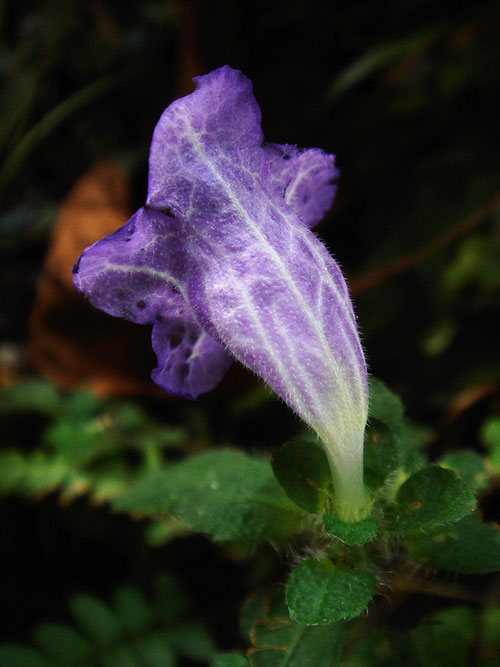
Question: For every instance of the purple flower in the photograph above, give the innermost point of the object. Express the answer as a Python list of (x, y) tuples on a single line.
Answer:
[(222, 261)]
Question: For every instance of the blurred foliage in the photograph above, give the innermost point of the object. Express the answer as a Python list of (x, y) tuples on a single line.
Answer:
[(132, 632), (405, 95)]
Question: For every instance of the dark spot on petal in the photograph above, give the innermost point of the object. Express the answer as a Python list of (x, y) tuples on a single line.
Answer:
[(184, 371), (167, 212), (305, 198), (127, 315), (159, 318), (286, 156), (175, 289), (120, 293), (130, 230), (174, 341), (76, 265), (141, 304), (128, 239)]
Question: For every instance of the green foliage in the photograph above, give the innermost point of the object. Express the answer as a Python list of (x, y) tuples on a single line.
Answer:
[(469, 547), (279, 641), (490, 435), (431, 497), (354, 534), (469, 466), (319, 592), (131, 632), (391, 442), (82, 444), (224, 493), (301, 467)]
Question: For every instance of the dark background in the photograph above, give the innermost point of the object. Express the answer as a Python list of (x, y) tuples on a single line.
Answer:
[(404, 93)]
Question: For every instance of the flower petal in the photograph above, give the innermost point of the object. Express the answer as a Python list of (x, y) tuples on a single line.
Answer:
[(305, 178), (190, 363), (136, 273)]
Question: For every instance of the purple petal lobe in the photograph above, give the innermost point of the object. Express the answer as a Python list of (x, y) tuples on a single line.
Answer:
[(305, 178), (189, 361)]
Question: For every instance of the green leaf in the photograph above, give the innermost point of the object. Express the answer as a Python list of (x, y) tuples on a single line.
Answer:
[(224, 493), (353, 534), (381, 455), (15, 655), (468, 547), (384, 405), (318, 592), (391, 442), (30, 396), (191, 640), (132, 610), (469, 466), (95, 618), (446, 637), (490, 436), (431, 497), (63, 643), (279, 641), (302, 469), (232, 659)]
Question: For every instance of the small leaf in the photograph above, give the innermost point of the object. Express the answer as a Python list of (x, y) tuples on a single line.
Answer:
[(385, 406), (490, 436), (469, 466), (381, 455), (431, 497), (318, 592), (301, 468), (353, 533), (63, 643), (468, 547), (224, 493), (277, 640), (132, 610), (95, 618)]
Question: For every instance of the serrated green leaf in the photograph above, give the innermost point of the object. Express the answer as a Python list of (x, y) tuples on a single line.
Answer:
[(232, 659), (302, 470), (63, 643), (469, 466), (277, 640), (319, 593), (431, 497), (16, 655), (224, 493), (353, 533), (96, 619), (468, 547)]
